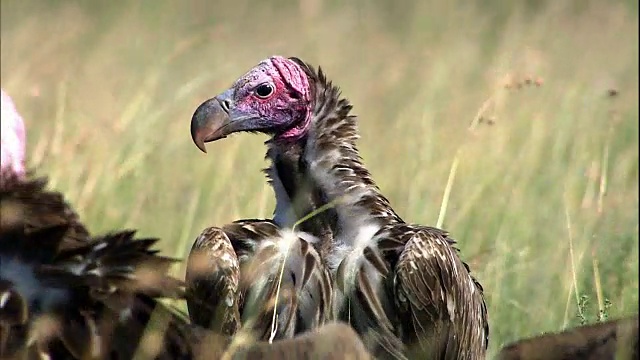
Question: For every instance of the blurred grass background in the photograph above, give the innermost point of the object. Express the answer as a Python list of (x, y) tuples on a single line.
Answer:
[(544, 203)]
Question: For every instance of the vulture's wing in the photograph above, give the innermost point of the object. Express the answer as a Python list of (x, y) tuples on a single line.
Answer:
[(277, 269), (43, 208), (436, 294), (212, 279), (98, 297), (409, 295)]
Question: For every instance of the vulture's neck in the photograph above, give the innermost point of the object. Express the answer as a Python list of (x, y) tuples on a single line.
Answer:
[(325, 166)]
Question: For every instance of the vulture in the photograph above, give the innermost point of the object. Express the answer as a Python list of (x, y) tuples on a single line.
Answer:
[(401, 286), (614, 339), (66, 294)]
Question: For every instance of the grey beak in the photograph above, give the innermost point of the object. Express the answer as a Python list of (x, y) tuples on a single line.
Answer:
[(208, 123)]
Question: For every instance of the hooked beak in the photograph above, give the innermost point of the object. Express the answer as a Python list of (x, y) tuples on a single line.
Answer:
[(209, 123)]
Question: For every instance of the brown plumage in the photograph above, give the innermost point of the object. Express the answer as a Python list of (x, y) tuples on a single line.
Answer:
[(615, 339), (44, 208), (73, 297), (233, 278), (402, 287), (212, 275)]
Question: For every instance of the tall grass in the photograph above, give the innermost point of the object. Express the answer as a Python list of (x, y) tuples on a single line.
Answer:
[(544, 196)]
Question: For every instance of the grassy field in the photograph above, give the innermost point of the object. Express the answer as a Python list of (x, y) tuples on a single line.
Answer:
[(534, 107)]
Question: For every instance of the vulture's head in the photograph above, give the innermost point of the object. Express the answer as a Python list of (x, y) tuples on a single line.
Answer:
[(13, 138), (275, 98)]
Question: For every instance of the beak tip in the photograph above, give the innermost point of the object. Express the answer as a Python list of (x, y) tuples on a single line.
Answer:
[(198, 140)]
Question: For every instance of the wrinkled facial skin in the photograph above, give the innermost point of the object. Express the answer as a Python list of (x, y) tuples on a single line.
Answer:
[(272, 98), (12, 138), (283, 109)]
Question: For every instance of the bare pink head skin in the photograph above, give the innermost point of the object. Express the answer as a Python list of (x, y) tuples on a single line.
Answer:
[(13, 138), (273, 98)]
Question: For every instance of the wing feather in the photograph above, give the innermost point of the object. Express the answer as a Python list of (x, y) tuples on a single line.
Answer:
[(409, 294), (65, 294), (442, 301), (212, 282), (304, 294)]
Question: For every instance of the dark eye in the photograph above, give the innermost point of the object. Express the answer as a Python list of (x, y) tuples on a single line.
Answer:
[(264, 90)]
